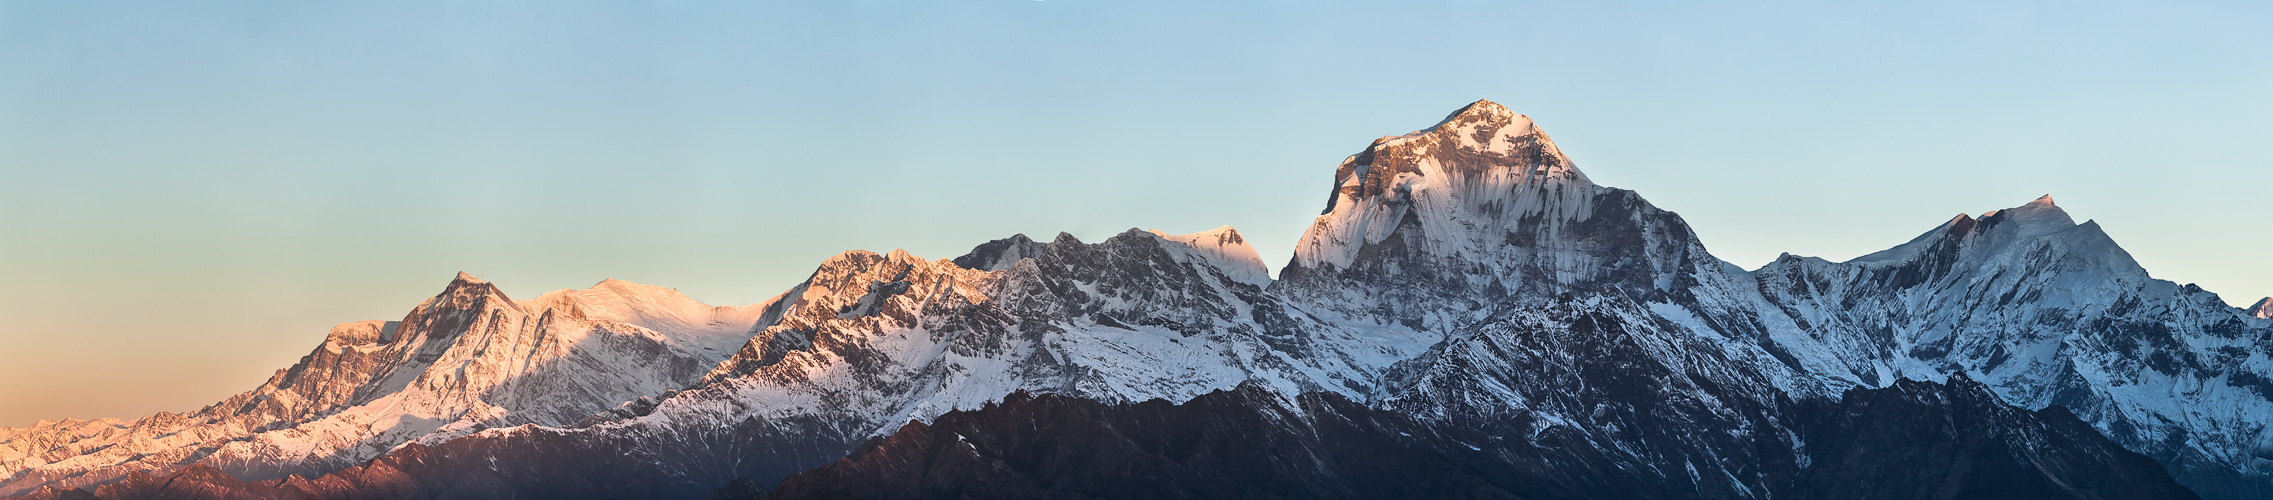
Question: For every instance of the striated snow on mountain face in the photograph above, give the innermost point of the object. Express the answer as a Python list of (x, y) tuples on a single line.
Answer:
[(2263, 309), (1450, 191), (1466, 277), (871, 341), (466, 360), (1578, 330), (1465, 217), (2049, 312), (1432, 228)]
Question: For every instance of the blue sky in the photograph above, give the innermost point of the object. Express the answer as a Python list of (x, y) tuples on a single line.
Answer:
[(191, 193)]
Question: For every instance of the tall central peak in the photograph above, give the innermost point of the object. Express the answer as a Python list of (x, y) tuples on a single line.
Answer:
[(1483, 110), (1481, 168), (1481, 140), (2036, 218), (466, 292), (1478, 208)]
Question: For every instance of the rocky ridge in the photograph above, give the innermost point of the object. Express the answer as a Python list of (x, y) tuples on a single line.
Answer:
[(466, 360), (1469, 277)]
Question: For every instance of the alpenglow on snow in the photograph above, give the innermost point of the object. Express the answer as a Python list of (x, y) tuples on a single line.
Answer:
[(1467, 295)]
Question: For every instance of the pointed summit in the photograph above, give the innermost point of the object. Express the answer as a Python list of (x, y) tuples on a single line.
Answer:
[(2263, 309), (1000, 254), (1225, 249), (465, 284), (1482, 143), (2041, 204), (1477, 208), (1482, 163), (2038, 217), (1483, 110), (468, 292)]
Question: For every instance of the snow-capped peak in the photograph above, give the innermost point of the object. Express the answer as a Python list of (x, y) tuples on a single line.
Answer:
[(1482, 110), (1226, 250), (1465, 274), (466, 292), (1482, 163), (467, 359), (2036, 218), (1000, 254), (2263, 309), (666, 310)]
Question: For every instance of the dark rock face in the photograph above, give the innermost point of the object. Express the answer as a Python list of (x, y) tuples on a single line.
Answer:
[(1244, 443), (1911, 440), (1926, 440), (193, 482), (1000, 254), (533, 463)]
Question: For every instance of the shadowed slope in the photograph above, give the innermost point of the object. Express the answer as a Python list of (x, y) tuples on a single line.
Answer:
[(1914, 440)]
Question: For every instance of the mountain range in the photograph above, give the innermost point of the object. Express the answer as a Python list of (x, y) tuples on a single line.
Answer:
[(1470, 316)]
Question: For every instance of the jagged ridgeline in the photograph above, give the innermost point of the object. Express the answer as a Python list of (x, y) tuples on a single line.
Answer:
[(1470, 317)]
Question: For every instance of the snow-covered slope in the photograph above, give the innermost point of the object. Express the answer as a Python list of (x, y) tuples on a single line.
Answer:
[(871, 341), (1466, 274), (1229, 252), (2050, 312), (1431, 229), (1467, 216), (466, 360), (2263, 309)]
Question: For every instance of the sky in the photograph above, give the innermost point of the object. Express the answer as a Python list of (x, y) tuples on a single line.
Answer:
[(192, 193)]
